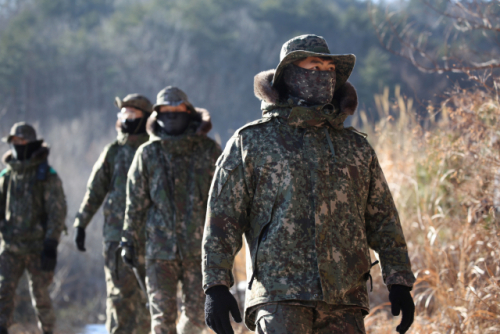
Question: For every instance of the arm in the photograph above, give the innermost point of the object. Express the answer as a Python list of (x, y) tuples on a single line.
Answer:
[(3, 196), (138, 199), (55, 207), (97, 189), (227, 219), (384, 231)]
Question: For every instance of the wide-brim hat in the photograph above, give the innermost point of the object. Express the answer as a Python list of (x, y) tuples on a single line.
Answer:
[(313, 46), (172, 96), (21, 130), (136, 101)]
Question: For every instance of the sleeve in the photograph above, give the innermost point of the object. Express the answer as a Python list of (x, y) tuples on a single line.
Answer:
[(97, 188), (227, 220), (55, 207), (138, 199), (384, 231)]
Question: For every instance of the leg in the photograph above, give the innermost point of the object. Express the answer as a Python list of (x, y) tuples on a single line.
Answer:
[(282, 318), (161, 279), (123, 302), (11, 270), (143, 316), (39, 288), (192, 320), (337, 321)]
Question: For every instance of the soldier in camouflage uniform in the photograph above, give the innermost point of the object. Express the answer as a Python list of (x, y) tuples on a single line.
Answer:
[(167, 193), (32, 215), (311, 199), (125, 309)]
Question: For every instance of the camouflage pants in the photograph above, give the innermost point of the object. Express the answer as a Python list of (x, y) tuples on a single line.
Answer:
[(126, 311), (12, 267), (162, 278), (285, 318)]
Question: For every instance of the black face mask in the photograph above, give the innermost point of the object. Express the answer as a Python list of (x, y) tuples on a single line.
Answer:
[(174, 123), (24, 152), (314, 87), (135, 126)]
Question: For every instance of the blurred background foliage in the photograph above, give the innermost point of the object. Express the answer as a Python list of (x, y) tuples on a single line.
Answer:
[(63, 62)]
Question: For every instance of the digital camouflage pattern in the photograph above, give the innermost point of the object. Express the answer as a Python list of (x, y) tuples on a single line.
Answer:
[(125, 306), (314, 87), (167, 193), (315, 318), (162, 279), (32, 209), (172, 96), (313, 46), (12, 266), (32, 204), (108, 184), (311, 199)]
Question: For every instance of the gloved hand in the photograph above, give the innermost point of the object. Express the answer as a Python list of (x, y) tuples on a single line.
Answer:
[(218, 304), (80, 239), (49, 255), (128, 255), (401, 300)]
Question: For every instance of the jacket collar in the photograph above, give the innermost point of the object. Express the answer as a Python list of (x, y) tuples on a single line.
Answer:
[(297, 113), (38, 157)]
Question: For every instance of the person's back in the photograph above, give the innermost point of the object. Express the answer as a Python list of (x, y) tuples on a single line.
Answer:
[(32, 215)]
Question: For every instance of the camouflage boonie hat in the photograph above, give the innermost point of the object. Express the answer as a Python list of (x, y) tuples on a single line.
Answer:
[(171, 96), (135, 101), (21, 130), (313, 46)]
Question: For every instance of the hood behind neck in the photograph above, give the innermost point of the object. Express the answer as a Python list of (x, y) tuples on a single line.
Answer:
[(345, 98), (38, 156)]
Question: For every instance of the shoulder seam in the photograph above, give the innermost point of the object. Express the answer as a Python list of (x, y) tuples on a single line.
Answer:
[(254, 123)]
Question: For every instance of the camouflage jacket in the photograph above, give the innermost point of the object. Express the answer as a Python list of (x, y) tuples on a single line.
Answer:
[(311, 199), (108, 183), (167, 192), (32, 203)]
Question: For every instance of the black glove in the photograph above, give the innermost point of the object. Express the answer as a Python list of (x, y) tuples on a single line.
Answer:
[(401, 300), (128, 255), (218, 304), (80, 239), (49, 255)]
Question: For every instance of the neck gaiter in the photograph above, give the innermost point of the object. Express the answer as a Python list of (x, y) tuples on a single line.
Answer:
[(134, 127), (24, 152), (314, 87), (174, 123)]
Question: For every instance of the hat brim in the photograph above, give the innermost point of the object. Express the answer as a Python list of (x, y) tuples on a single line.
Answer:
[(123, 104), (188, 105), (7, 139), (344, 64)]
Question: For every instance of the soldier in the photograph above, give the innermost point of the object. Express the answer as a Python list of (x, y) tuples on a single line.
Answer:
[(310, 197), (167, 192), (32, 215), (125, 309)]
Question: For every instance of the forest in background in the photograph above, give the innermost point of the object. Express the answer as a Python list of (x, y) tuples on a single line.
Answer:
[(63, 62)]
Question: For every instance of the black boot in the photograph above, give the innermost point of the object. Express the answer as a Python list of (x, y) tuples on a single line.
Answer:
[(3, 330), (45, 333)]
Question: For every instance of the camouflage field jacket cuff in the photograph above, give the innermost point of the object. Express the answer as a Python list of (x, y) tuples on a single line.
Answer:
[(217, 276), (79, 222), (400, 278)]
